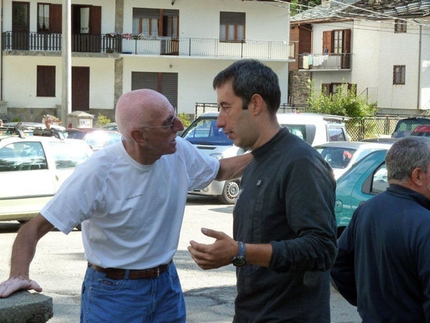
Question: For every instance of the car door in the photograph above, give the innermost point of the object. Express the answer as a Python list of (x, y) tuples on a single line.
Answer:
[(363, 181), (28, 181)]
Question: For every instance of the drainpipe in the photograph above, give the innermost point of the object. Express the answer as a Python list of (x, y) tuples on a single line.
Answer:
[(1, 50), (419, 69), (66, 106)]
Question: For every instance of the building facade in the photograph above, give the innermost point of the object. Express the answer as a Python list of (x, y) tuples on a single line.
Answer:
[(379, 47), (173, 46)]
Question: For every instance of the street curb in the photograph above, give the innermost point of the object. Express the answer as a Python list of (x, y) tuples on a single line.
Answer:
[(26, 307)]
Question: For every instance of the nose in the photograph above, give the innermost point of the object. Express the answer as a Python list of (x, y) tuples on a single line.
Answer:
[(178, 126), (220, 122)]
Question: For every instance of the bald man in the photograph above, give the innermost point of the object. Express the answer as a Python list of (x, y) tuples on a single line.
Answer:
[(130, 198)]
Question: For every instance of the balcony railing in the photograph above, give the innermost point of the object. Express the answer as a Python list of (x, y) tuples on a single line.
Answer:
[(315, 62), (142, 45)]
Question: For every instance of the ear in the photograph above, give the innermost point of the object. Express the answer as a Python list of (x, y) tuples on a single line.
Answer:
[(417, 176), (257, 103), (138, 136)]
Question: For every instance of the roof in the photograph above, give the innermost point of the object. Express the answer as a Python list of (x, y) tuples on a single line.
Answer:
[(377, 9), (370, 9), (333, 11)]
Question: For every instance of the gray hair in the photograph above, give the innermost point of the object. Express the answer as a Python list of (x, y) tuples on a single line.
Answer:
[(407, 154), (251, 77)]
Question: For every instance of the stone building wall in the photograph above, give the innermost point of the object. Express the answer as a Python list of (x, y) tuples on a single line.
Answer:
[(298, 88)]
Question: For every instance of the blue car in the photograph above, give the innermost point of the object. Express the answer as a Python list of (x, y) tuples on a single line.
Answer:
[(363, 181)]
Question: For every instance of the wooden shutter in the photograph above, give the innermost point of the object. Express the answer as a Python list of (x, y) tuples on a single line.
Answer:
[(327, 42), (55, 18), (46, 81)]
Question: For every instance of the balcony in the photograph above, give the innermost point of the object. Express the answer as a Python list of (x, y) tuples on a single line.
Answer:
[(325, 62), (142, 45)]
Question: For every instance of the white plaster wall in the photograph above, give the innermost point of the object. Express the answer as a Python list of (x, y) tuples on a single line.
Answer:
[(195, 77), (200, 18), (398, 49), (425, 68), (20, 88)]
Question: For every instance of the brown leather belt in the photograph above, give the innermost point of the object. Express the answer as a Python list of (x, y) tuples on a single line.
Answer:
[(116, 274)]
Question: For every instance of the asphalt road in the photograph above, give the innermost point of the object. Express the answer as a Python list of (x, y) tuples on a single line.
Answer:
[(59, 267)]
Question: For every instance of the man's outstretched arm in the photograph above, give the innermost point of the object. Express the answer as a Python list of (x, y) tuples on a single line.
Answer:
[(23, 251)]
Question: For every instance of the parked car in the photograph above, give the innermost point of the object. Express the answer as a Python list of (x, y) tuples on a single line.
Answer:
[(342, 155), (423, 131), (364, 180), (404, 127), (95, 137), (111, 126), (204, 134), (315, 128), (32, 168)]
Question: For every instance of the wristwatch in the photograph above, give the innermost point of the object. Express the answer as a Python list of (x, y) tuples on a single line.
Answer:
[(240, 259)]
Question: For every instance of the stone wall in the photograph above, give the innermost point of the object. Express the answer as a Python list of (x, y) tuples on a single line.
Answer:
[(298, 88)]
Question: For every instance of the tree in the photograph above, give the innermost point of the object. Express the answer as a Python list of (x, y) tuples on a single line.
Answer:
[(297, 6)]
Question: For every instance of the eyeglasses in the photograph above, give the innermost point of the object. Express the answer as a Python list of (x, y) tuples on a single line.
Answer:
[(171, 124)]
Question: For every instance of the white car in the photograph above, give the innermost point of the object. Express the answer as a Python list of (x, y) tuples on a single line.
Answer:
[(32, 168), (343, 155), (315, 128)]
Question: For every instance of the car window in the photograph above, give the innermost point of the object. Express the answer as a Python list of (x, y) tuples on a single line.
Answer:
[(336, 134), (67, 154), (379, 181), (206, 132), (22, 156), (337, 157), (298, 130)]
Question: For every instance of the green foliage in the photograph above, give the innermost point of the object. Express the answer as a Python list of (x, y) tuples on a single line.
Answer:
[(102, 120), (297, 6), (185, 119), (343, 102)]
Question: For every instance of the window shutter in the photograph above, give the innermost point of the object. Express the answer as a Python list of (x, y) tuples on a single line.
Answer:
[(327, 42)]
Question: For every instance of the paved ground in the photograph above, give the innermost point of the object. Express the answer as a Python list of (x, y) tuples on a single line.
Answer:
[(59, 266)]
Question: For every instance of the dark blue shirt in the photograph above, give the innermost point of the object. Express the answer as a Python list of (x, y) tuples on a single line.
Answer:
[(383, 264)]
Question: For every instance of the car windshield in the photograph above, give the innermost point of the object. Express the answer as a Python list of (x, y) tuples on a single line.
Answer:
[(337, 157), (205, 132)]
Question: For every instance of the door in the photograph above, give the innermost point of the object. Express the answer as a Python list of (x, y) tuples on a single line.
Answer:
[(86, 28), (80, 88), (20, 25)]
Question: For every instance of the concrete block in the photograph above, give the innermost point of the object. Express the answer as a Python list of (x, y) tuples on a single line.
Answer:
[(26, 307)]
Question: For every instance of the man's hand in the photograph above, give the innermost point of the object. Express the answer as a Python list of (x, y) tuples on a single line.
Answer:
[(13, 284), (218, 254)]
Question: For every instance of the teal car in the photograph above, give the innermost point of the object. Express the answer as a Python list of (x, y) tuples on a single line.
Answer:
[(363, 181)]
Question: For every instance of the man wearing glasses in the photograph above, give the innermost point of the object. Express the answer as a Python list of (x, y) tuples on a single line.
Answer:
[(130, 198)]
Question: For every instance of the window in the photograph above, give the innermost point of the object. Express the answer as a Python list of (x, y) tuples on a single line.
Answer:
[(400, 26), (232, 26), (336, 41), (165, 83), (46, 81), (399, 72), (379, 180), (156, 22), (49, 17), (22, 156), (332, 88), (42, 17)]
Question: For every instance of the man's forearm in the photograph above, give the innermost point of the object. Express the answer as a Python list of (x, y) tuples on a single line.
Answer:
[(233, 167)]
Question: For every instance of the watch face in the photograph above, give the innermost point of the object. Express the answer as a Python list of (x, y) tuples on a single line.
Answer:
[(239, 261)]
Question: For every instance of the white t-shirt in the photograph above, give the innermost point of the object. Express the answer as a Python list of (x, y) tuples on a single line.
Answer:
[(134, 211)]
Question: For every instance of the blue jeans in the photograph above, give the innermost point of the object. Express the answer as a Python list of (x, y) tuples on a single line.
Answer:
[(155, 300)]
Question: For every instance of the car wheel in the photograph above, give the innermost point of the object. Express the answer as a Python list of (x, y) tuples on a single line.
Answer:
[(229, 192)]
